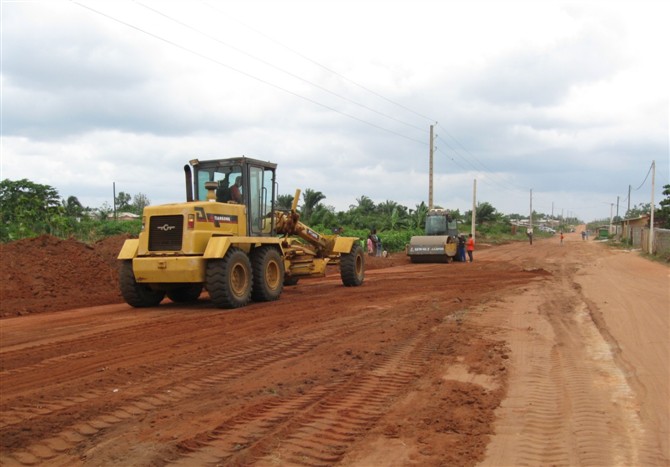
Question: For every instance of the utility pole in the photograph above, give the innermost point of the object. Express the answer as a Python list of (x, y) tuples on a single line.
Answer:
[(430, 171), (529, 231), (651, 219), (611, 214), (627, 232), (114, 193), (530, 217), (473, 218), (617, 206)]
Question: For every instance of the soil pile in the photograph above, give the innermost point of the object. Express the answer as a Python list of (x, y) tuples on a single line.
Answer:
[(49, 274)]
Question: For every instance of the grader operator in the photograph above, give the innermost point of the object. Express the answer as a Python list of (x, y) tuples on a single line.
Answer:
[(229, 238)]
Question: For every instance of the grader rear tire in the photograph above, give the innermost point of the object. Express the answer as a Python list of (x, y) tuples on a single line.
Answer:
[(134, 293), (228, 280), (268, 274), (352, 266)]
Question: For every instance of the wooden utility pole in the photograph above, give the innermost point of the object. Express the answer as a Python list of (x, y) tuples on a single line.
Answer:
[(651, 219), (473, 218), (530, 217), (430, 171), (114, 197)]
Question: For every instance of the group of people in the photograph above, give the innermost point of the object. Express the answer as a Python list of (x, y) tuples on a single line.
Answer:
[(465, 246), (374, 244)]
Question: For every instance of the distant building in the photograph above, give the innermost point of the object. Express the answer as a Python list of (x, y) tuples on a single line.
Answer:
[(124, 216), (631, 229)]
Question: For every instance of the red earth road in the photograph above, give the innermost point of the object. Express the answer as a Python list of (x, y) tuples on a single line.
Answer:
[(522, 357)]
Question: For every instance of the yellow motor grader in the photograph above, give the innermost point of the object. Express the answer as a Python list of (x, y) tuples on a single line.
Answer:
[(229, 238)]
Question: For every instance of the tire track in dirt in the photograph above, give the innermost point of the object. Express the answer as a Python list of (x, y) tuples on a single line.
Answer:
[(577, 407), (345, 415), (329, 419), (219, 369), (316, 428)]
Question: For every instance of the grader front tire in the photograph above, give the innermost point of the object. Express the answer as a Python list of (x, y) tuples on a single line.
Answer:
[(134, 293), (352, 266), (228, 280)]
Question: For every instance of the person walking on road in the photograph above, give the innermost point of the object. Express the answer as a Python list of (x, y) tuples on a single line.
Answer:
[(561, 237), (460, 249), (470, 246)]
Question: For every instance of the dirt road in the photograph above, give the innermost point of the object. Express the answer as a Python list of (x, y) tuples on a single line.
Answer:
[(544, 355)]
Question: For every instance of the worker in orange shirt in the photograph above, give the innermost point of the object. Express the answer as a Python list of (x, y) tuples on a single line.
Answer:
[(470, 246)]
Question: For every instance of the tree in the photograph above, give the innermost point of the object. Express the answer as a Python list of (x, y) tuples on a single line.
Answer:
[(417, 217), (662, 215), (485, 213), (73, 208), (311, 199), (140, 201), (365, 205), (284, 202), (104, 211), (323, 215), (638, 210), (28, 209), (122, 201)]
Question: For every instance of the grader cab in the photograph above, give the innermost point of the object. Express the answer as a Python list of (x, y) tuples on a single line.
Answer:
[(230, 239)]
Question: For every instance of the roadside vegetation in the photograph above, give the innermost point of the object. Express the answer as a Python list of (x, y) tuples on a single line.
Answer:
[(30, 209)]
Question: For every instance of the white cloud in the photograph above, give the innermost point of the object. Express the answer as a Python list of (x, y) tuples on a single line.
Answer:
[(569, 99)]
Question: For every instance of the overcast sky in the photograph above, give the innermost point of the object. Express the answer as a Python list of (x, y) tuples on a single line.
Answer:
[(569, 99)]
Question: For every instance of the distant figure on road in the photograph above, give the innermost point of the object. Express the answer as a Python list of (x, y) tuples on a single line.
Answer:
[(529, 232), (470, 246), (583, 234), (561, 237)]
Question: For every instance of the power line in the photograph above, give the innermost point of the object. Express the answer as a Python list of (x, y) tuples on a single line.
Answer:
[(271, 65), (244, 73), (491, 175), (645, 178), (330, 70)]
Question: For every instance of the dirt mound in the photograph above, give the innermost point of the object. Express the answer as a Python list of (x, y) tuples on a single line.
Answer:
[(49, 274)]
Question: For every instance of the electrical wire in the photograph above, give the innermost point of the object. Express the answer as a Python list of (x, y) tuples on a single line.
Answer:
[(490, 176), (271, 65), (329, 70), (244, 73), (645, 178)]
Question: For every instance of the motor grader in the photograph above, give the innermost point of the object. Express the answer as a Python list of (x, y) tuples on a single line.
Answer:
[(237, 249)]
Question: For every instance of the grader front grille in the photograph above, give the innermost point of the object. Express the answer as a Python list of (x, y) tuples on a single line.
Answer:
[(165, 233)]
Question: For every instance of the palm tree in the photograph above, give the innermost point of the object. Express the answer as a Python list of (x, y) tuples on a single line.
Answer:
[(73, 208), (418, 216), (310, 199), (284, 202), (365, 205)]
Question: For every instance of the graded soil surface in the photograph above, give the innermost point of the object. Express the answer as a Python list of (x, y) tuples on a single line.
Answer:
[(547, 354)]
